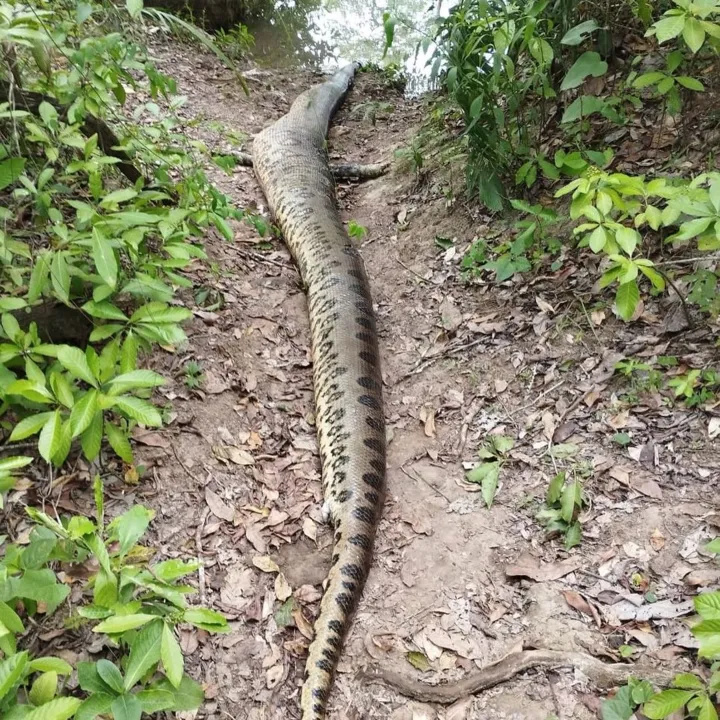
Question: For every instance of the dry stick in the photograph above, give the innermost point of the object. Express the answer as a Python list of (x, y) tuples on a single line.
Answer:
[(342, 171), (603, 675), (107, 140), (686, 312)]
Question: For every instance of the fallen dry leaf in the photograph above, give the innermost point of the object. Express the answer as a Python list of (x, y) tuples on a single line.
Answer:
[(218, 506), (150, 438), (309, 529), (282, 588), (273, 676), (528, 566), (233, 455), (657, 540), (579, 603), (265, 563), (302, 623)]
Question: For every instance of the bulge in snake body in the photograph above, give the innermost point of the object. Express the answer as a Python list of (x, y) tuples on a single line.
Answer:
[(291, 163)]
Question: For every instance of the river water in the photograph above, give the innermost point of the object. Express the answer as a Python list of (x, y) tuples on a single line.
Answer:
[(327, 33)]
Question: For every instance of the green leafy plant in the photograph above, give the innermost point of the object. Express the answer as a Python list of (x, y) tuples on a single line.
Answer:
[(138, 603), (563, 503), (194, 376), (688, 20), (493, 455), (357, 231)]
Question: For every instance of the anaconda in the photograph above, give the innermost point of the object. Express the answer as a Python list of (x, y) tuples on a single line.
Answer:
[(290, 161)]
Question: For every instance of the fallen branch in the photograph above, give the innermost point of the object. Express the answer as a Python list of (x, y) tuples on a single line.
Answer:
[(107, 140), (602, 675), (342, 171)]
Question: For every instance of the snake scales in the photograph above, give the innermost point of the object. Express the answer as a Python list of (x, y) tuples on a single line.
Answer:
[(290, 161)]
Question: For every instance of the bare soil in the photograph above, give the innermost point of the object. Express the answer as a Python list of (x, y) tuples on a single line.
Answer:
[(235, 475)]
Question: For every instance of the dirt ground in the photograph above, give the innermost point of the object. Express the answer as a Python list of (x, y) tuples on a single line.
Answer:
[(235, 475)]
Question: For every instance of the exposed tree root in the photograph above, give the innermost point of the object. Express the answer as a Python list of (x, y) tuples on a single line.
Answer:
[(603, 675), (107, 140), (342, 171)]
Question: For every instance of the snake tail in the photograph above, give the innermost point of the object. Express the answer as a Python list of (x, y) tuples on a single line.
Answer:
[(291, 163)]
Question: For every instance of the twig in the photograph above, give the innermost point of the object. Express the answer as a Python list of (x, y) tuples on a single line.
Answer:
[(410, 270), (418, 476), (587, 317), (686, 312), (688, 261), (182, 464), (199, 548), (538, 398)]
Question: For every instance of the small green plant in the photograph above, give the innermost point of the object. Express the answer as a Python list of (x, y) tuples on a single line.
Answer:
[(563, 503), (689, 21), (136, 603), (194, 376), (371, 110), (236, 42), (493, 455), (356, 230)]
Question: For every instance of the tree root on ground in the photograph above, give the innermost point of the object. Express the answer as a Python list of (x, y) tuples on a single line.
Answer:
[(601, 674), (341, 171)]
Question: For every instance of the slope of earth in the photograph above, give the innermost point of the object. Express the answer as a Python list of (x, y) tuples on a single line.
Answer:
[(455, 585)]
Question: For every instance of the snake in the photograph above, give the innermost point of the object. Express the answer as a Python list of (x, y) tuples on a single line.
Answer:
[(290, 160)]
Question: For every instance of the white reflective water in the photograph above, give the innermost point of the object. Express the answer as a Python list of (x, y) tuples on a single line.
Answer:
[(328, 33)]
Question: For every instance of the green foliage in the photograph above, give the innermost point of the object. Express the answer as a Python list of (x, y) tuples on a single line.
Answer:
[(236, 42), (493, 455), (689, 21), (194, 376), (357, 231), (563, 503), (138, 604), (80, 229)]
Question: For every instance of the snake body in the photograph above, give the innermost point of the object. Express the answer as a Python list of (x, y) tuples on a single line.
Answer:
[(290, 161)]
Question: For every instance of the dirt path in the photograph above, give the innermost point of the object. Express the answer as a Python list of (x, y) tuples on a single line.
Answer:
[(235, 477)]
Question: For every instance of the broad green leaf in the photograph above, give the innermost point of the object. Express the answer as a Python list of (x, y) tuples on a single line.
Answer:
[(11, 670), (136, 379), (555, 488), (627, 239), (10, 619), (714, 195), (541, 50), (41, 586), (83, 412), (110, 674), (99, 500), (96, 704), (206, 619), (144, 653), (126, 707), (666, 703), (10, 170), (89, 679), (573, 535), (43, 688), (619, 707), (668, 27), (626, 299), (129, 352), (130, 526), (487, 475), (138, 409), (51, 664), (707, 605), (693, 34), (597, 239), (569, 499), (687, 681), (707, 710), (154, 700), (104, 258), (73, 359), (173, 569), (119, 442), (123, 623), (61, 708), (579, 33), (708, 634), (713, 546), (648, 78), (690, 83), (39, 277), (105, 591), (581, 107), (51, 437), (188, 696), (171, 656), (389, 28), (60, 277), (134, 7), (91, 438), (118, 196), (588, 64), (104, 310), (14, 463), (159, 312), (657, 280)]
